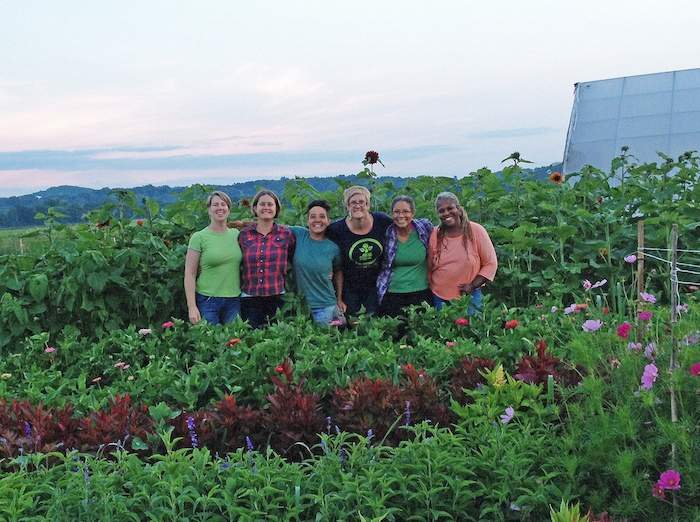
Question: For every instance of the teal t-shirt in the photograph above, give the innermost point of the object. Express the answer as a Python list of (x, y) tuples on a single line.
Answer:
[(410, 267), (220, 256), (314, 262)]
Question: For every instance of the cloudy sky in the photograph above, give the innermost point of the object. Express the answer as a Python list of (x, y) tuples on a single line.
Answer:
[(124, 93)]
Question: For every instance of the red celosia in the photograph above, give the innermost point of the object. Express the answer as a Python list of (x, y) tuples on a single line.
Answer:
[(233, 342)]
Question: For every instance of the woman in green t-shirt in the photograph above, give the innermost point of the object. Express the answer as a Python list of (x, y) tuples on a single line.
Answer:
[(212, 267)]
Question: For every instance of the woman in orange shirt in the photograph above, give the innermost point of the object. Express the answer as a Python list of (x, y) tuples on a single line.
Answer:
[(461, 256)]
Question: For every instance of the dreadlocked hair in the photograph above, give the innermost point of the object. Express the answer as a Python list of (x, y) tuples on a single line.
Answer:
[(464, 224)]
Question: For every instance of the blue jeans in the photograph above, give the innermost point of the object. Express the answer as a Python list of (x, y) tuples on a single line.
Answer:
[(324, 315), (218, 310), (475, 304)]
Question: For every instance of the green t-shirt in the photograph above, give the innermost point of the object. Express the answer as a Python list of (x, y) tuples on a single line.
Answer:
[(314, 262), (220, 256), (410, 267)]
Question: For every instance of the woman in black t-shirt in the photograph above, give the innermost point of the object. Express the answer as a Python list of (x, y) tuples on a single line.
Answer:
[(360, 237)]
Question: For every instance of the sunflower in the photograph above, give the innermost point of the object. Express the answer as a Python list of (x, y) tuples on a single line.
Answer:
[(556, 177)]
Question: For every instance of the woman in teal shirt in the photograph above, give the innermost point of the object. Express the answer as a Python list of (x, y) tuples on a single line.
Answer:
[(317, 265), (212, 267)]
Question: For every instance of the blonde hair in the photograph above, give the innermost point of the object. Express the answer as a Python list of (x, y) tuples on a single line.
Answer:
[(355, 189), (222, 195), (464, 222)]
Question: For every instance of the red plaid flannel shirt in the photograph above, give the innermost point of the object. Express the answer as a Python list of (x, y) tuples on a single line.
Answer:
[(265, 260)]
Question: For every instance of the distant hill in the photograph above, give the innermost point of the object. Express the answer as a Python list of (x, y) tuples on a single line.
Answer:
[(75, 202)]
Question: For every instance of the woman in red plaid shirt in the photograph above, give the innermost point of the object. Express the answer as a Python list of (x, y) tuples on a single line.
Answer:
[(267, 253)]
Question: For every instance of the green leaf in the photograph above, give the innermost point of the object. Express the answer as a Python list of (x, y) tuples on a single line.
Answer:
[(38, 286)]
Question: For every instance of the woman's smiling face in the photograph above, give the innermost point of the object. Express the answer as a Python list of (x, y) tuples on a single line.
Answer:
[(317, 220), (448, 212), (218, 209), (402, 213), (266, 208)]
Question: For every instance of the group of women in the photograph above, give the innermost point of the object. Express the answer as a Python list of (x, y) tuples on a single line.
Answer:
[(366, 260)]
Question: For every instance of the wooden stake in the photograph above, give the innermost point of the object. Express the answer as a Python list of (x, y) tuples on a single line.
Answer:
[(640, 258), (674, 319), (640, 270)]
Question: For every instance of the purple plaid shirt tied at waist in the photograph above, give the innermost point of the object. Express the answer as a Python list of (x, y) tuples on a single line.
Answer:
[(423, 227), (266, 259)]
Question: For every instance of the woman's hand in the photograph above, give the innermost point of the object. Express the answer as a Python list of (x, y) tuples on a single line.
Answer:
[(342, 306), (194, 315), (465, 288)]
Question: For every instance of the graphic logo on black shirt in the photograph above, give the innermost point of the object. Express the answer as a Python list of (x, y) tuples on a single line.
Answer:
[(365, 252)]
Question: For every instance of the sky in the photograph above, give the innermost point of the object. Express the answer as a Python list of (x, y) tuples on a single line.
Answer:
[(126, 93)]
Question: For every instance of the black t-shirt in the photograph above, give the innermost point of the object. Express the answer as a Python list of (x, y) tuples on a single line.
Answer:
[(362, 254)]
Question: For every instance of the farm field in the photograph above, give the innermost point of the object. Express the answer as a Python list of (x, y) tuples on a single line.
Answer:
[(572, 393)]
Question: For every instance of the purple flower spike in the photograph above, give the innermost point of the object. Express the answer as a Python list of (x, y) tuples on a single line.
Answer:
[(407, 414), (249, 443), (191, 427)]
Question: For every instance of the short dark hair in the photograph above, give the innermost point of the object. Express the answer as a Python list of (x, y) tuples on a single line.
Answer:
[(319, 203)]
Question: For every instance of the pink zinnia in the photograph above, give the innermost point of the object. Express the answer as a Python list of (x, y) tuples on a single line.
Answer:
[(658, 492), (168, 324), (623, 331), (649, 376), (630, 258), (670, 479), (695, 369), (450, 344), (586, 284), (462, 321), (644, 315), (49, 349)]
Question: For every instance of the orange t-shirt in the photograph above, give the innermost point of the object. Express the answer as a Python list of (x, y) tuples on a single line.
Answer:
[(455, 266)]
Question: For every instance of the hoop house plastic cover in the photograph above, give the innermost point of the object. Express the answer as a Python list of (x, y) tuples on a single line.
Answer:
[(649, 113)]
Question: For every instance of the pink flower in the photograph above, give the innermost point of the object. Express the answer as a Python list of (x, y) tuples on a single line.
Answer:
[(670, 479), (49, 349), (630, 258), (695, 370), (658, 492), (462, 321), (511, 325), (508, 415), (592, 325), (450, 344), (650, 351), (586, 284), (634, 346), (168, 324), (649, 376), (623, 331), (570, 309), (649, 298), (644, 315), (682, 308)]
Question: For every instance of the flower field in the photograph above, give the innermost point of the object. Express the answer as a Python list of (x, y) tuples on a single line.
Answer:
[(573, 393)]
